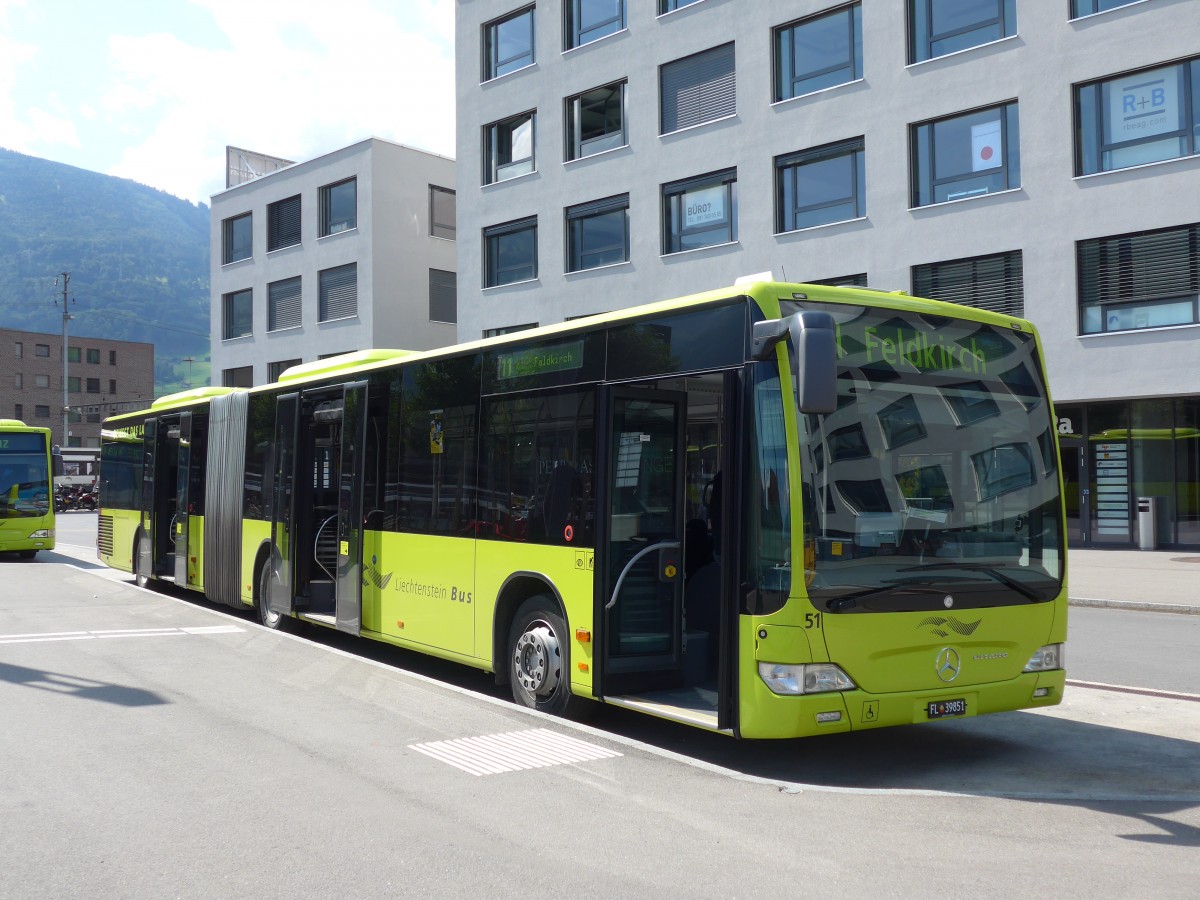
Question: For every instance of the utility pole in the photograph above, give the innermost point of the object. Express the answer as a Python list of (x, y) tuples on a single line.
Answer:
[(66, 317)]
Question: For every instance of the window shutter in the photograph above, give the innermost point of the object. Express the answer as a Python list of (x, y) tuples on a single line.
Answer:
[(443, 296), (283, 223), (1148, 265), (993, 283), (284, 301), (698, 89), (339, 292)]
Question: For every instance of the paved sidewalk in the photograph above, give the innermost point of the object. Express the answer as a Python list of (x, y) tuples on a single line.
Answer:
[(1161, 580)]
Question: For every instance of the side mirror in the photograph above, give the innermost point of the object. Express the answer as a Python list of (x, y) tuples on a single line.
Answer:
[(813, 356)]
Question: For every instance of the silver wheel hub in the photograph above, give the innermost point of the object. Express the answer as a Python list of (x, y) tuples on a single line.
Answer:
[(536, 660)]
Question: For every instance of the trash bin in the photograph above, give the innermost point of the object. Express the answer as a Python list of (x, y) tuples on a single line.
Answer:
[(1147, 523)]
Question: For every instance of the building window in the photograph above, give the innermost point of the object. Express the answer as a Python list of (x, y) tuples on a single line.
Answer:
[(697, 89), (73, 355), (508, 148), (859, 280), (73, 384), (19, 349), (112, 385), (508, 44), (41, 412), (1145, 279), (93, 385), (819, 186), (1080, 8), (41, 350), (596, 121), (590, 20), (112, 357), (510, 252), (818, 52), (700, 212), (239, 314), (93, 356), (275, 369), (598, 233), (938, 27), (666, 6), (1138, 118), (508, 329), (966, 155), (19, 411), (283, 223), (338, 293), (443, 296), (443, 218), (242, 377), (339, 207), (41, 381), (19, 381), (985, 282), (238, 238), (283, 304)]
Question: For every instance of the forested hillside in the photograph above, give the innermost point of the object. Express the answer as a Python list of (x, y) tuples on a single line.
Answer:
[(138, 259)]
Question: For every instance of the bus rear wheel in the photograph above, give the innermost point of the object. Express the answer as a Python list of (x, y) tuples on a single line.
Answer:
[(539, 660), (141, 562), (266, 615)]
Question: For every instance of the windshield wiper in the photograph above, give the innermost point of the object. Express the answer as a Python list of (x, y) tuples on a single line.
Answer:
[(1024, 590), (846, 601)]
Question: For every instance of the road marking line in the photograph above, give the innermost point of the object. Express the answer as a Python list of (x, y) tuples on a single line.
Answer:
[(123, 633), (512, 752)]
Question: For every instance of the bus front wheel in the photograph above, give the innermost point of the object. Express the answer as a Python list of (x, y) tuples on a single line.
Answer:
[(539, 659)]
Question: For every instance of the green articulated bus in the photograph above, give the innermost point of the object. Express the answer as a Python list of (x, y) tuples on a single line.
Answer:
[(772, 510), (26, 501)]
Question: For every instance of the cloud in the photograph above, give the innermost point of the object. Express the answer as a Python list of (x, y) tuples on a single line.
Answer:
[(294, 80)]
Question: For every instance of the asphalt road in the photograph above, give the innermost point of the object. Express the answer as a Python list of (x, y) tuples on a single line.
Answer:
[(154, 747)]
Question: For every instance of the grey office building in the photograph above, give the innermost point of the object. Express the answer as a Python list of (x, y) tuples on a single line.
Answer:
[(1037, 157)]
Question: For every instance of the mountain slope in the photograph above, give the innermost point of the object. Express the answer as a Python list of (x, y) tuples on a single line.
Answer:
[(138, 259)]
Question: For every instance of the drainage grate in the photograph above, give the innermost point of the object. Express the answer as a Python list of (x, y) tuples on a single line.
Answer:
[(513, 751)]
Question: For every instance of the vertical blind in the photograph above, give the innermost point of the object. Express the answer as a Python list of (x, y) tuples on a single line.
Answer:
[(283, 223), (698, 89), (339, 292), (993, 283), (284, 304)]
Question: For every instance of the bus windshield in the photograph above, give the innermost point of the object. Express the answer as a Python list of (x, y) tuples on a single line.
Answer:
[(935, 482), (24, 476)]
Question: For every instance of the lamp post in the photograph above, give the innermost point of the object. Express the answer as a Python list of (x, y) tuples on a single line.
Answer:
[(66, 317)]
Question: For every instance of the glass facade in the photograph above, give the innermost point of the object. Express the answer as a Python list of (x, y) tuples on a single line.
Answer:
[(1116, 453)]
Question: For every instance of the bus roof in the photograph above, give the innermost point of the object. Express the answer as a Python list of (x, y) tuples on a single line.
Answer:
[(766, 292)]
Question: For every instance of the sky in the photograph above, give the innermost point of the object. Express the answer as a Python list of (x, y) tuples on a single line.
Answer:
[(154, 90)]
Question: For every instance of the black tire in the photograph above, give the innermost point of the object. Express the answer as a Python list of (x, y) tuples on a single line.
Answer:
[(267, 616), (28, 554), (539, 660), (140, 578)]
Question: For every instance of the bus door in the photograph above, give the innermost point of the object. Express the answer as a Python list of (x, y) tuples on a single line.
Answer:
[(350, 507), (143, 566), (280, 598), (641, 539), (179, 525)]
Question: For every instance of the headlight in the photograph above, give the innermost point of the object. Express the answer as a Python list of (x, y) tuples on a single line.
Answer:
[(1052, 656), (812, 678), (43, 533)]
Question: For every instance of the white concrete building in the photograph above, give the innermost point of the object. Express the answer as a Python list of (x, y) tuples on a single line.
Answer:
[(349, 251), (1037, 157)]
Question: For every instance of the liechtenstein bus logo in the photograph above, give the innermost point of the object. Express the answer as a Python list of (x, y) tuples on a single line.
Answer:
[(372, 575), (941, 623)]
